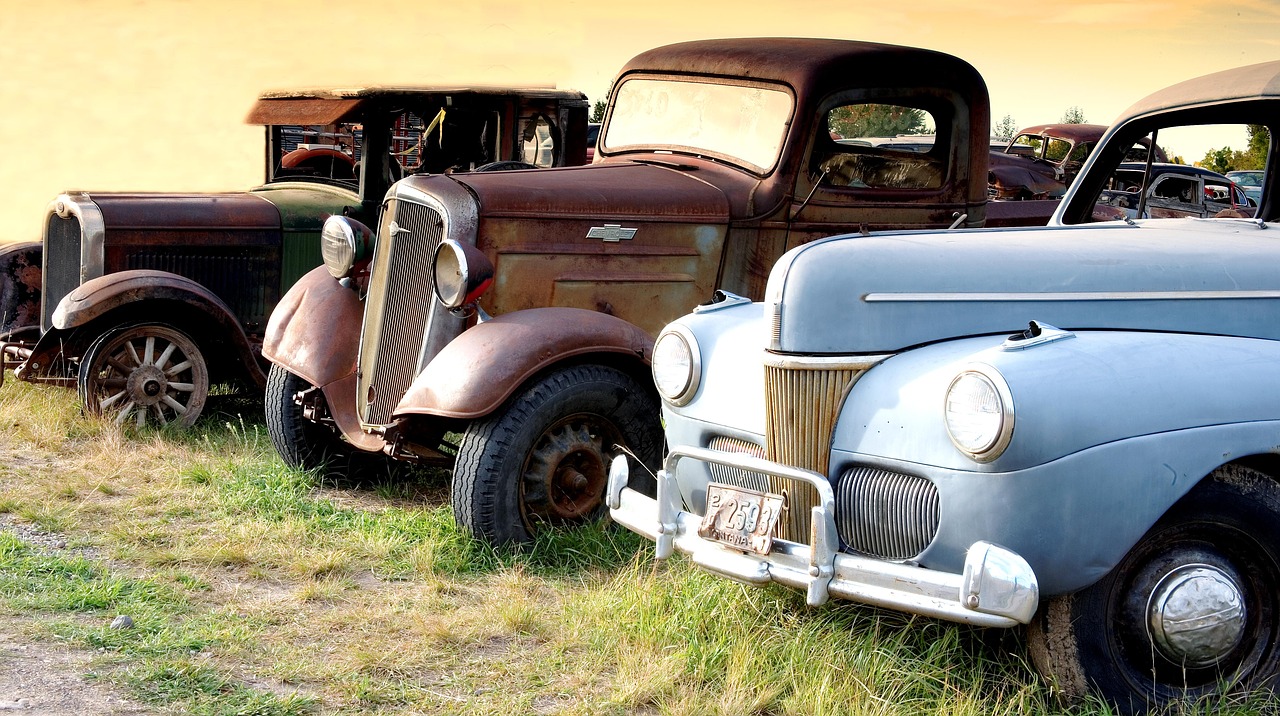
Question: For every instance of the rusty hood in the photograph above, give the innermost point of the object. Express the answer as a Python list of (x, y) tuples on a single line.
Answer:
[(156, 211), (616, 190)]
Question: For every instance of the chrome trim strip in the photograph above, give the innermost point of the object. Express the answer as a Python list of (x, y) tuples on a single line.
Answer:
[(1066, 296), (997, 588), (801, 362)]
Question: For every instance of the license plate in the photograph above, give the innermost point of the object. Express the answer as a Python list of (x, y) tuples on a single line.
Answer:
[(740, 518)]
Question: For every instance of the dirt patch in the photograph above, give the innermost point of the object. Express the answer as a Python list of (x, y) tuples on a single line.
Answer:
[(50, 680)]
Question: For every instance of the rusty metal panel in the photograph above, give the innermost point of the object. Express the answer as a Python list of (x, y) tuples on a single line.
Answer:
[(302, 111), (20, 281)]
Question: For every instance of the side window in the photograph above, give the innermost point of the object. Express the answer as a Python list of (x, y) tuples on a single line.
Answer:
[(879, 146)]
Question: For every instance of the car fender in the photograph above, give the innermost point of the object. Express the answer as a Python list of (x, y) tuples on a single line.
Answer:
[(478, 370), (146, 295), (314, 331), (21, 278)]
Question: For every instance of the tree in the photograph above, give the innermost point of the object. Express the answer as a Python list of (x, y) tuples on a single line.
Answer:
[(1006, 127), (597, 110), (877, 120), (1253, 157), (1073, 115)]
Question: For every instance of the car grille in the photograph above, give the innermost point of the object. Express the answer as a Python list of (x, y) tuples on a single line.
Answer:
[(241, 281), (803, 398), (886, 514), (398, 307), (61, 264), (733, 475)]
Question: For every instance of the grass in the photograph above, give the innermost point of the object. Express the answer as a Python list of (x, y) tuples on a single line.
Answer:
[(256, 589)]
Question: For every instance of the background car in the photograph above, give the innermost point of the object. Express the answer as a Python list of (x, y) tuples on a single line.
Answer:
[(1250, 180)]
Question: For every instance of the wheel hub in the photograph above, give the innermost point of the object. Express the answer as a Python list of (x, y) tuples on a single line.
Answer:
[(147, 385), (567, 474), (1196, 615)]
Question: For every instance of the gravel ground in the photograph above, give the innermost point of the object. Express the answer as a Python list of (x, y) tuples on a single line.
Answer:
[(49, 679)]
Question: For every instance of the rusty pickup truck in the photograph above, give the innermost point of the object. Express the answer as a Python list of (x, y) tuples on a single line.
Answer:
[(503, 324)]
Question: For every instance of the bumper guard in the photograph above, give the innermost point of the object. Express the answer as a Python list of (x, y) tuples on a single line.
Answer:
[(996, 589)]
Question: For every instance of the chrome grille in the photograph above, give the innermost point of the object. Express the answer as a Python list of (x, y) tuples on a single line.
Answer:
[(398, 307), (736, 476), (61, 264), (886, 514)]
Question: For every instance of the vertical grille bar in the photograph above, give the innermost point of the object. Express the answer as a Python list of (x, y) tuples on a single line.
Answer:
[(398, 307), (734, 476), (886, 514)]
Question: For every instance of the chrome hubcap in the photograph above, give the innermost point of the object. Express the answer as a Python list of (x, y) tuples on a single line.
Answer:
[(1196, 615)]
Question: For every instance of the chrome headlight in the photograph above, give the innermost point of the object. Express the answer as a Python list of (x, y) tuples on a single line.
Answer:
[(343, 242), (979, 413), (677, 365)]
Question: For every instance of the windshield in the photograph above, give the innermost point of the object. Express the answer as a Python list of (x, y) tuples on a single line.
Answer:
[(742, 124)]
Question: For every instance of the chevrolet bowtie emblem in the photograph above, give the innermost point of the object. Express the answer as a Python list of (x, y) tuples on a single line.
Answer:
[(610, 232), (397, 229)]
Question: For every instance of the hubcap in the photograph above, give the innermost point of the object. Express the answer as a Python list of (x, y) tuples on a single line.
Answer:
[(1196, 615)]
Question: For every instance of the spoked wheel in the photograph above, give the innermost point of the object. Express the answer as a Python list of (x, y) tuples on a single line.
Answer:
[(144, 374), (1193, 609), (542, 460)]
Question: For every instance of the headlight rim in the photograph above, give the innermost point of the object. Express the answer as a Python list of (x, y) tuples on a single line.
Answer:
[(1004, 436), (694, 378), (347, 233)]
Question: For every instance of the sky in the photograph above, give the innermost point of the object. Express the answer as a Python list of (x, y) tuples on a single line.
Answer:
[(151, 95)]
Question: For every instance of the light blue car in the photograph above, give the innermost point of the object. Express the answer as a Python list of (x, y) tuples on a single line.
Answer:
[(1250, 180), (1074, 428)]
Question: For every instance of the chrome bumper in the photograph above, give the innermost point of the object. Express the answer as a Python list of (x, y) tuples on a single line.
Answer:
[(996, 589)]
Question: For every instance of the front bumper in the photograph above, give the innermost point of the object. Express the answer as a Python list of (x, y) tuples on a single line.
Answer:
[(996, 589)]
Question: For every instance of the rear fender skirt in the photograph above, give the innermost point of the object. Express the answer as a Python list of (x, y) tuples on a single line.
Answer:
[(477, 371)]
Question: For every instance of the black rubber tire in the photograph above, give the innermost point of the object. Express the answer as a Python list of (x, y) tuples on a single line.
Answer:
[(536, 462), (1098, 639), (118, 370), (307, 445)]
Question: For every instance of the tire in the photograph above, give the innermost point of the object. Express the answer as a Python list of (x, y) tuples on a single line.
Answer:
[(1219, 544), (541, 461), (307, 445), (146, 374)]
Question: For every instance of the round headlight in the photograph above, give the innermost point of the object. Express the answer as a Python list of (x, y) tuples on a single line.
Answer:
[(343, 241), (677, 366), (462, 273), (979, 413)]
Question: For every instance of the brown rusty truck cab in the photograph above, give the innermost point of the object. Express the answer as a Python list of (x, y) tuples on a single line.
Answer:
[(518, 309), (147, 299)]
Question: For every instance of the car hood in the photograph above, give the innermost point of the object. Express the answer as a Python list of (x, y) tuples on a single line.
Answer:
[(1010, 172), (615, 190), (172, 211), (887, 292)]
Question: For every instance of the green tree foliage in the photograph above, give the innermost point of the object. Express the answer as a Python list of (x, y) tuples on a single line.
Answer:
[(1006, 127), (1073, 115), (597, 110), (1254, 156), (877, 120)]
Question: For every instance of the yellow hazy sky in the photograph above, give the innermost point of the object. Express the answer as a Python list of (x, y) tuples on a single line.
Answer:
[(152, 94)]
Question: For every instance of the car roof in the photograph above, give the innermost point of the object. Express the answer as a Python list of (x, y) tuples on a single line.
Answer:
[(1166, 168), (1073, 132), (1260, 81), (812, 65)]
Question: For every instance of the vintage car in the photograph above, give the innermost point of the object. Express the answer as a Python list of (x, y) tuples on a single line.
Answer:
[(1250, 180), (1075, 428), (1041, 162), (714, 158), (145, 300), (1174, 190)]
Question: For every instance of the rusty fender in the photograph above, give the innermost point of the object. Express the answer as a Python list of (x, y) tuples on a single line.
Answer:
[(147, 295), (314, 332), (481, 368), (21, 279)]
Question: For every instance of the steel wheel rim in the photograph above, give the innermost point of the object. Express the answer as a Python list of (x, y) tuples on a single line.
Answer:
[(566, 472), (148, 375)]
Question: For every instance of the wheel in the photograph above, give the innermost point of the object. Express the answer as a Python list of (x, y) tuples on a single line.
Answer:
[(307, 445), (542, 460), (1192, 609), (146, 373)]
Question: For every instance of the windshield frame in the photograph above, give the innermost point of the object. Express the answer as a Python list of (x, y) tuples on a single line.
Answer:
[(784, 127)]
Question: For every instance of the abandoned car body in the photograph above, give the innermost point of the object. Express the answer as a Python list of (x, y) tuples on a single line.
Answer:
[(1041, 162), (1174, 190), (1071, 427), (715, 157), (147, 299)]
